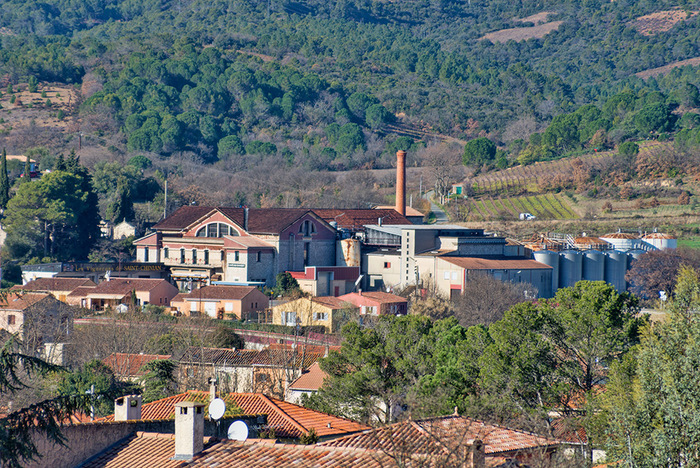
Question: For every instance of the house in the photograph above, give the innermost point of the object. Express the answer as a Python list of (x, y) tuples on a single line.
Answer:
[(240, 370), (238, 302), (59, 288), (123, 230), (286, 420), (327, 311), (128, 366), (308, 383), (238, 245), (377, 303), (38, 318), (327, 281), (451, 435), (118, 291)]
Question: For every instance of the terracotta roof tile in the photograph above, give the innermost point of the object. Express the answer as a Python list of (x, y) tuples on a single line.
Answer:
[(218, 292), (81, 291), (312, 379), (378, 296), (357, 219), (450, 431), (332, 302), (55, 284), (129, 365), (496, 263), (20, 301), (183, 217), (288, 420), (125, 285)]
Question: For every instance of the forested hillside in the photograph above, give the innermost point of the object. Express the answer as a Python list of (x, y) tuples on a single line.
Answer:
[(310, 85)]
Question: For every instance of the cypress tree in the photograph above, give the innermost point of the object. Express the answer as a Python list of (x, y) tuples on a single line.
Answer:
[(4, 182)]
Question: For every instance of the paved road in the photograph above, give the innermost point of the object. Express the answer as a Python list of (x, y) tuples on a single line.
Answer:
[(440, 216)]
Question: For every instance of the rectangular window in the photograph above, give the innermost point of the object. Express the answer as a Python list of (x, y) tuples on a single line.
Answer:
[(145, 254), (320, 315), (236, 256), (258, 255), (206, 257), (387, 264), (10, 319), (290, 318), (454, 276), (223, 255), (447, 275), (166, 253), (182, 255), (194, 255)]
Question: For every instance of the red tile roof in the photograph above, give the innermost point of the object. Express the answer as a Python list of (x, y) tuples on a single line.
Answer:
[(54, 284), (449, 431), (129, 365), (357, 219), (332, 302), (496, 263), (231, 293), (378, 296), (288, 420), (311, 379), (183, 217), (124, 286), (20, 300)]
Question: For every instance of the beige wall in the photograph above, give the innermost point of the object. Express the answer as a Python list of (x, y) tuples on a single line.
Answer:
[(309, 311), (18, 318)]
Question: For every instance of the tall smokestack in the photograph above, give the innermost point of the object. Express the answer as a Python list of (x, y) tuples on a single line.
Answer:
[(401, 182)]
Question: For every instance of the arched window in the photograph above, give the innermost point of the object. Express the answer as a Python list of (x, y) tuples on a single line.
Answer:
[(216, 230), (307, 228)]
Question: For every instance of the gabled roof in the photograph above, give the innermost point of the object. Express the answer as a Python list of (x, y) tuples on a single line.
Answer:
[(246, 242), (129, 365), (183, 217), (449, 432), (21, 301), (310, 380), (124, 286), (357, 219), (54, 284), (495, 263), (144, 449), (220, 293), (288, 420), (331, 301), (378, 296), (273, 220)]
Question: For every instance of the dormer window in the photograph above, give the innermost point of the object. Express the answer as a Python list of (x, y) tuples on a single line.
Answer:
[(216, 230)]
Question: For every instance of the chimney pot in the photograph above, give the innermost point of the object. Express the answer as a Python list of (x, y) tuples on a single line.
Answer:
[(127, 408), (401, 182), (189, 429)]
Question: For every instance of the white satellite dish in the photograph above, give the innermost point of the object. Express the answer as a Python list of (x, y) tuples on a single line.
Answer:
[(217, 408), (238, 430)]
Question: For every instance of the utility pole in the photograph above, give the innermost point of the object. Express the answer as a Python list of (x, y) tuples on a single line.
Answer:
[(165, 203)]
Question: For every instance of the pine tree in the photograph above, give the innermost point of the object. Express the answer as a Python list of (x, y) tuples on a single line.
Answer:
[(60, 164), (4, 182)]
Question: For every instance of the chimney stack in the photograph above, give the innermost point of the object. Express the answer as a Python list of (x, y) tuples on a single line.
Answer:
[(189, 429), (127, 408), (212, 388), (401, 182)]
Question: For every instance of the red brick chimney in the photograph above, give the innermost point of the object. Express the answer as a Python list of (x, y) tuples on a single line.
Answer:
[(401, 182)]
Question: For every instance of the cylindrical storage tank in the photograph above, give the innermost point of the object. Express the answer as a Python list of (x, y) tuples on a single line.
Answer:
[(615, 269), (623, 241), (570, 268), (348, 253), (549, 258), (661, 241), (593, 265), (634, 255)]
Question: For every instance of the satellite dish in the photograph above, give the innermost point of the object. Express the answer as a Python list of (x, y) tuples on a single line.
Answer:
[(238, 430), (217, 408)]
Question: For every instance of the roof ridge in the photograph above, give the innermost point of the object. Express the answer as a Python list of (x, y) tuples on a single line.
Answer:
[(284, 414)]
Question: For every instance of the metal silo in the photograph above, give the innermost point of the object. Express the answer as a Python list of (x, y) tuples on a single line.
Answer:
[(615, 269), (549, 258), (593, 265), (348, 252), (661, 241), (570, 268), (623, 240), (634, 255)]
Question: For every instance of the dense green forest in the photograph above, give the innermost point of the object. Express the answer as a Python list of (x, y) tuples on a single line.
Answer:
[(334, 74)]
